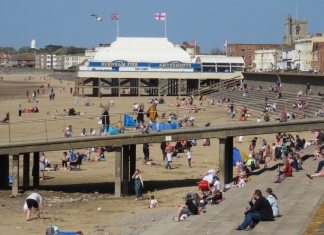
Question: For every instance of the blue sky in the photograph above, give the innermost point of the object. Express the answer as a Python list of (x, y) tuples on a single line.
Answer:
[(210, 22)]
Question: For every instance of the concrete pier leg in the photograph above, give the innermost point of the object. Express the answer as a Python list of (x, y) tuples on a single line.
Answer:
[(36, 170), (15, 175), (125, 185), (118, 171), (132, 165), (4, 171), (26, 167), (226, 160)]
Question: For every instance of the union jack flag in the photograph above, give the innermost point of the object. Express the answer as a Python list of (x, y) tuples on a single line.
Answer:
[(193, 43), (114, 16)]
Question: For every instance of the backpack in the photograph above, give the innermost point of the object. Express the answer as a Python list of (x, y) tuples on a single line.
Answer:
[(50, 230), (278, 152), (148, 113)]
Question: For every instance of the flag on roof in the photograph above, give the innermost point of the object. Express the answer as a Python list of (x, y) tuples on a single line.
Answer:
[(160, 16), (225, 44), (114, 16), (193, 43)]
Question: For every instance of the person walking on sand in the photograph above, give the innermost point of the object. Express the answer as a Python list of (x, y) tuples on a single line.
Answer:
[(189, 157), (138, 184), (153, 115), (19, 111), (168, 151), (27, 94), (32, 201)]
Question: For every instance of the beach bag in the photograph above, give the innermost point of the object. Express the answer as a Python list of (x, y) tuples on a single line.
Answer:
[(50, 230), (203, 185), (278, 152)]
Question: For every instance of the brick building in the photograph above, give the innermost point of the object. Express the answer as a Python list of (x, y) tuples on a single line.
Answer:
[(247, 52), (22, 60), (4, 58)]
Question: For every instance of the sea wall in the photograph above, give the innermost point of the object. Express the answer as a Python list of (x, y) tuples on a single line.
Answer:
[(291, 82)]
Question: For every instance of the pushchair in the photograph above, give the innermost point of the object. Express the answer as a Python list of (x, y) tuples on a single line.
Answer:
[(6, 119)]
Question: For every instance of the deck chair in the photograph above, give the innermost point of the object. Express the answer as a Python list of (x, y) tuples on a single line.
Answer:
[(78, 163)]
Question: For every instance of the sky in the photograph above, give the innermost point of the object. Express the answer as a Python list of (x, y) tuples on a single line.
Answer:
[(209, 22)]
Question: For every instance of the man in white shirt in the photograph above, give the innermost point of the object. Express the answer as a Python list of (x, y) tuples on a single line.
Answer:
[(210, 175), (32, 201), (216, 185)]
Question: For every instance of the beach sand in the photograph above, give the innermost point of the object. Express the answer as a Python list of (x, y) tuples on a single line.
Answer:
[(73, 197)]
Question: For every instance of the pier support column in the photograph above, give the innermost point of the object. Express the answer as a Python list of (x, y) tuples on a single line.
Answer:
[(132, 165), (15, 175), (26, 170), (36, 170), (118, 171), (125, 185), (4, 171), (226, 160)]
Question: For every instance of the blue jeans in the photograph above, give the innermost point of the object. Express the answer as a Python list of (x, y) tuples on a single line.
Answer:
[(104, 130), (320, 165), (252, 216), (168, 164), (156, 122)]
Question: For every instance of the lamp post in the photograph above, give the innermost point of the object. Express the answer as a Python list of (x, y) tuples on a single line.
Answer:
[(262, 61), (274, 60), (299, 59)]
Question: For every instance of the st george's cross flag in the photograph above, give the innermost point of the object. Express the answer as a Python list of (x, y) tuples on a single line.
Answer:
[(114, 16), (160, 16), (193, 43), (225, 44)]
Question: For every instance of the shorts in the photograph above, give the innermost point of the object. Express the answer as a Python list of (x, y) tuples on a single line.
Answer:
[(186, 211), (31, 203)]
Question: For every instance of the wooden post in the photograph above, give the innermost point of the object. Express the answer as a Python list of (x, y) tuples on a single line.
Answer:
[(118, 171), (4, 171), (132, 165), (36, 170), (126, 177), (26, 167), (15, 175)]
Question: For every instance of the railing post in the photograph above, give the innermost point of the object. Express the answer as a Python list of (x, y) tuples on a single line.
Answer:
[(9, 132), (46, 131)]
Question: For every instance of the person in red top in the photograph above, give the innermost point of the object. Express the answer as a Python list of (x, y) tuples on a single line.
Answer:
[(286, 169)]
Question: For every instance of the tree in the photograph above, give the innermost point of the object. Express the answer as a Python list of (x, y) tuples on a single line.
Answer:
[(8, 50), (217, 51), (24, 49), (52, 48)]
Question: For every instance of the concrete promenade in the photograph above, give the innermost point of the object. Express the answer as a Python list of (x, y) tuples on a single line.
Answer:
[(298, 198)]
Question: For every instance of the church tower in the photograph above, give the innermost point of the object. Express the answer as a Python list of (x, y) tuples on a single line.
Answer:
[(295, 29)]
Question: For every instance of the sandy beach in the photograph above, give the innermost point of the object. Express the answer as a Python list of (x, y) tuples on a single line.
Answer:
[(73, 197)]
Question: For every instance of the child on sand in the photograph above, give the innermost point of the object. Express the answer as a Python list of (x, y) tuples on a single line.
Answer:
[(153, 203)]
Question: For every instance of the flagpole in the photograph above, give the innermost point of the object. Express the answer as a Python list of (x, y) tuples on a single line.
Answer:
[(226, 47), (117, 28), (165, 34)]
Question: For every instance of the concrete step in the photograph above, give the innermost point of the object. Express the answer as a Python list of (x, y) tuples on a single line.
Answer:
[(298, 199)]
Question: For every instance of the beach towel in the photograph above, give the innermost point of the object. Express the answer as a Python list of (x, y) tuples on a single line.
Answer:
[(66, 233), (112, 131)]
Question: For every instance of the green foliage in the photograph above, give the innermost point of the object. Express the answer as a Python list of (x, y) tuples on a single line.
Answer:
[(25, 49), (217, 51), (72, 67), (9, 50)]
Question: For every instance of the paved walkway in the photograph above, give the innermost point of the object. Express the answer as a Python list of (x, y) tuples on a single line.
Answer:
[(298, 198)]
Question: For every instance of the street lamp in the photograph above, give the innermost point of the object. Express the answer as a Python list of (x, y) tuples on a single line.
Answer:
[(275, 60), (262, 61), (299, 59)]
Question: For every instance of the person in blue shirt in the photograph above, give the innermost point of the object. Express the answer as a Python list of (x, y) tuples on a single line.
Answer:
[(263, 143)]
